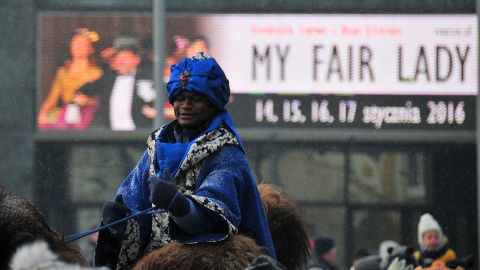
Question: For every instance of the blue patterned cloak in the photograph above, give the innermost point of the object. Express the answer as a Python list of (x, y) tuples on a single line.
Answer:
[(213, 172)]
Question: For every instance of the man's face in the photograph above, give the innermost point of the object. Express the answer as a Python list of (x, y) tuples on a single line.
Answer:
[(125, 61), (192, 110)]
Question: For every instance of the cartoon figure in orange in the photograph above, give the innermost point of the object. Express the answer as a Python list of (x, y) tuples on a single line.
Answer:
[(465, 263), (66, 105)]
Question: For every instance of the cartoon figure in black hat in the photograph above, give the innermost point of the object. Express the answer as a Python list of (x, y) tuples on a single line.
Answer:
[(126, 89)]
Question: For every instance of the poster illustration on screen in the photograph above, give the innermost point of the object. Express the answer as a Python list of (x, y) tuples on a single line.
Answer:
[(317, 70), (67, 105)]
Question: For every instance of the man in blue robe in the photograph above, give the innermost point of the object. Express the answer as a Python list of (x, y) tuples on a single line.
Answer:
[(194, 167)]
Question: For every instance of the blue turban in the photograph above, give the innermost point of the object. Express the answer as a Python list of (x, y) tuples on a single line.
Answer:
[(201, 74)]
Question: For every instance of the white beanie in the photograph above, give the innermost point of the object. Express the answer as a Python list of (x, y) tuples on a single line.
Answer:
[(428, 223)]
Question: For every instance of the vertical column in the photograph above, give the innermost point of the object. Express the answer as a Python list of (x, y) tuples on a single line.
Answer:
[(159, 58)]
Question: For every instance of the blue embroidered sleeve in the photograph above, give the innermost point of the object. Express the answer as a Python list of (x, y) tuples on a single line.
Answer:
[(136, 195), (218, 192), (225, 188), (194, 222), (226, 180)]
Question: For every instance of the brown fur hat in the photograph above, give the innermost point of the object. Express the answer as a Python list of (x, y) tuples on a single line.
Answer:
[(235, 252), (21, 223), (287, 227)]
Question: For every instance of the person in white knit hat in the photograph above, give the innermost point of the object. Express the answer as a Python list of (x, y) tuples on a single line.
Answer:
[(433, 246)]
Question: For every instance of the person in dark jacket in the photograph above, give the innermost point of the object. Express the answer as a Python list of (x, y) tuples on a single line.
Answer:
[(194, 168), (324, 253)]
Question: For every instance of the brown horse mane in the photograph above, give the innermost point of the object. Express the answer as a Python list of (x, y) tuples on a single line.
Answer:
[(21, 223), (235, 252), (287, 228)]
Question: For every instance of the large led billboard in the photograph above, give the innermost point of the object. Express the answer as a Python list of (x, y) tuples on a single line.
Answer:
[(285, 70)]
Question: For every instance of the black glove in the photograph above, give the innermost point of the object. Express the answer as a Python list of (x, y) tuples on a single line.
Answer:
[(113, 211), (163, 192)]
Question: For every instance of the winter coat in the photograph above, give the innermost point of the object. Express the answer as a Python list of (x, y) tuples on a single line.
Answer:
[(213, 172), (443, 254)]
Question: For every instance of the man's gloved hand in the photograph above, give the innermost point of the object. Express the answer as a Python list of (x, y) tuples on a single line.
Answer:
[(113, 211), (163, 192)]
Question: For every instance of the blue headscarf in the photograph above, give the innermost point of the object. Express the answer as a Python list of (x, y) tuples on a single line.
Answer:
[(201, 73)]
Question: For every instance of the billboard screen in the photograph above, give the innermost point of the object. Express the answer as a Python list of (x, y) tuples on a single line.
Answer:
[(288, 70)]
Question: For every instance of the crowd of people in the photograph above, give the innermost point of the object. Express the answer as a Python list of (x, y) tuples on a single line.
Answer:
[(433, 252)]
